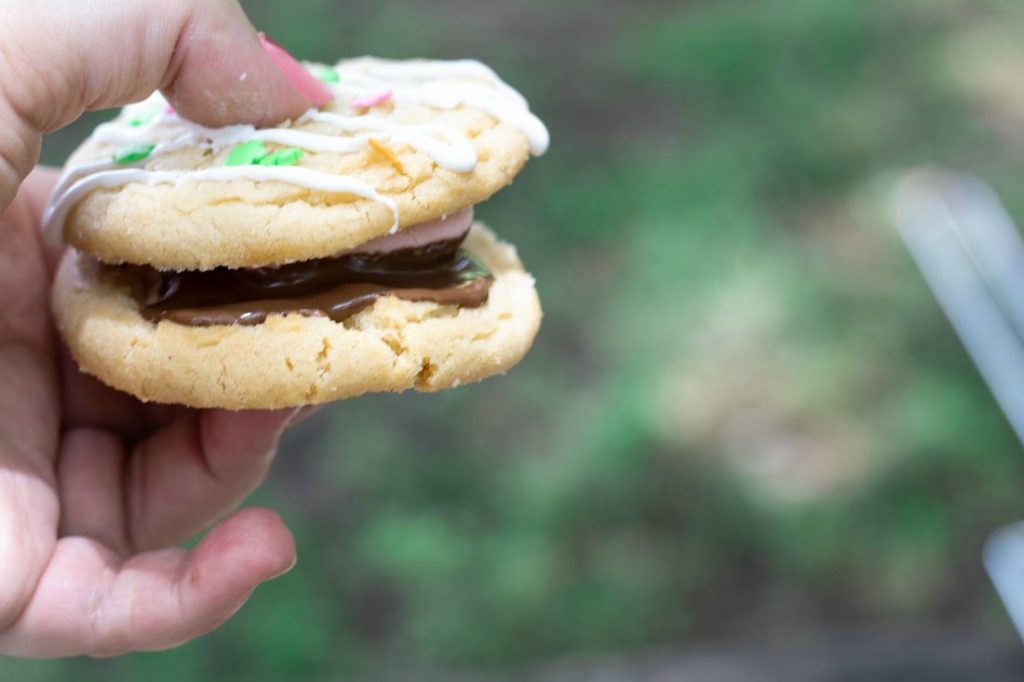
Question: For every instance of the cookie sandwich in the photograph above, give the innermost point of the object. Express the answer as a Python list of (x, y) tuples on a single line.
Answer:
[(330, 256)]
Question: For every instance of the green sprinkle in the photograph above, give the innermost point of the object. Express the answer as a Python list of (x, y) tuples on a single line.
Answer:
[(246, 154), (141, 120), (328, 75), (282, 157), (133, 153)]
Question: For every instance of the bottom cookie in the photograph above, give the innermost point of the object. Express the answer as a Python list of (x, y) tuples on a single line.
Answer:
[(291, 360)]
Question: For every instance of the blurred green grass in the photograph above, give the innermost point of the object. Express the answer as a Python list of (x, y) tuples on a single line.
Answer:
[(745, 416)]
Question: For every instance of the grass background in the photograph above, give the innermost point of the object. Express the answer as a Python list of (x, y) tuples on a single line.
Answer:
[(745, 418)]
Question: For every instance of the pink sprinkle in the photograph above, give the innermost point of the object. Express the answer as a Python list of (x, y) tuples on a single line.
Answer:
[(373, 100), (169, 109)]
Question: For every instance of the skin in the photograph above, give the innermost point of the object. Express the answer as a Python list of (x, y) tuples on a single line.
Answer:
[(97, 489)]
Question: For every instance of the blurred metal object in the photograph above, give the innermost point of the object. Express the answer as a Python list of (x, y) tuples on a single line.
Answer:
[(972, 256), (1004, 560)]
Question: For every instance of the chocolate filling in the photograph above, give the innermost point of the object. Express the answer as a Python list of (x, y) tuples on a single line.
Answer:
[(440, 272)]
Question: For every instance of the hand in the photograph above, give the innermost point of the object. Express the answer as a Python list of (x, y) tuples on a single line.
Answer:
[(96, 489)]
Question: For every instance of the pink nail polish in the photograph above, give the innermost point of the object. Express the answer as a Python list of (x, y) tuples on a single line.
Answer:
[(306, 83)]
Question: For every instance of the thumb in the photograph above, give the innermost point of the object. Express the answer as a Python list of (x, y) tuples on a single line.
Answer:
[(59, 59)]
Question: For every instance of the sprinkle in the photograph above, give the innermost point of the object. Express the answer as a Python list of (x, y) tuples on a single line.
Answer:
[(282, 157), (254, 153), (141, 120), (373, 100), (246, 154), (389, 155), (327, 75), (133, 153), (169, 110)]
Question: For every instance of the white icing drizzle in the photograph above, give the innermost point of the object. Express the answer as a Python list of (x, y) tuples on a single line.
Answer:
[(445, 85), (57, 211), (437, 84), (73, 174), (452, 151)]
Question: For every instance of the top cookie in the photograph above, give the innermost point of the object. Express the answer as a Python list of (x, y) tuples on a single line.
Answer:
[(403, 142)]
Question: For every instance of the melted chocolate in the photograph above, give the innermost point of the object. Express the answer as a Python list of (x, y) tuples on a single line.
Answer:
[(337, 288)]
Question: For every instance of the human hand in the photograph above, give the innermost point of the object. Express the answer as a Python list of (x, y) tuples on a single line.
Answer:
[(97, 489)]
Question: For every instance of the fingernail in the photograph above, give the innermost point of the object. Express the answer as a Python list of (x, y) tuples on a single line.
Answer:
[(286, 570), (305, 82)]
